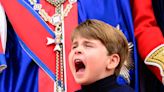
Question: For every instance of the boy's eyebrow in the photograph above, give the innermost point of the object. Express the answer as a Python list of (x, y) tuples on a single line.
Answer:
[(90, 42), (85, 42), (74, 42)]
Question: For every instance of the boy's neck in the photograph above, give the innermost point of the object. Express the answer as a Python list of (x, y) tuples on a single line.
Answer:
[(101, 85)]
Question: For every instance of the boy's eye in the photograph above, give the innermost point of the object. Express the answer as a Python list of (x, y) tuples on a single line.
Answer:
[(88, 45), (74, 46)]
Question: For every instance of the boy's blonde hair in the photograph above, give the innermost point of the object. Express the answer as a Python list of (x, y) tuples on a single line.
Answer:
[(113, 39)]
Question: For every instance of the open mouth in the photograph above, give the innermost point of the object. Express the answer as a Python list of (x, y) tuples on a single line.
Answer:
[(79, 65)]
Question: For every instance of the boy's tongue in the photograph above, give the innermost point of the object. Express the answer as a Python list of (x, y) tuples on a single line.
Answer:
[(79, 65)]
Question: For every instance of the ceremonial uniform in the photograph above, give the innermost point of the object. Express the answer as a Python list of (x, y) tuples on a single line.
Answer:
[(32, 32), (150, 45)]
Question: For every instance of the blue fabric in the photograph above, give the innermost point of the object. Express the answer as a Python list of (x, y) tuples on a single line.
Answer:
[(2, 60), (121, 81), (21, 72), (113, 12)]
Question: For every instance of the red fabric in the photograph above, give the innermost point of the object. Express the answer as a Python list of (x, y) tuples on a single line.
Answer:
[(71, 21), (1, 49), (43, 77), (45, 83), (34, 35), (147, 33)]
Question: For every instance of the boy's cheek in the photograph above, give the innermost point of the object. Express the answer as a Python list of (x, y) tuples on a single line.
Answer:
[(70, 60), (70, 56)]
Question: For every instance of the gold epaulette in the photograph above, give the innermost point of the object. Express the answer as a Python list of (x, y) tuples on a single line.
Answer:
[(156, 58)]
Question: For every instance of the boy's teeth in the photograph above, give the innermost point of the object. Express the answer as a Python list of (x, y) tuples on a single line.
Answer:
[(78, 60)]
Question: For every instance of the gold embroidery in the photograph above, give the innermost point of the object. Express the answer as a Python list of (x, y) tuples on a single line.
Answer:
[(157, 58), (2, 67), (56, 3)]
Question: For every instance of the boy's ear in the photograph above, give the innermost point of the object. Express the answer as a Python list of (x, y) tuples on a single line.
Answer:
[(113, 61)]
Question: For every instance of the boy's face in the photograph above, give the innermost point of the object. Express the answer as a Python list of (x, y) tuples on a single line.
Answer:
[(88, 60)]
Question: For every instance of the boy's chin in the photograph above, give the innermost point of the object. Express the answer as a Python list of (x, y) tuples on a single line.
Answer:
[(82, 81)]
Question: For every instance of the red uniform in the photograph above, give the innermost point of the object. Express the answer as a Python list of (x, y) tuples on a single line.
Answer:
[(149, 37)]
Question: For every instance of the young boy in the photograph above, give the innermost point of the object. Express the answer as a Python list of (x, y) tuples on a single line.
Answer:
[(97, 54)]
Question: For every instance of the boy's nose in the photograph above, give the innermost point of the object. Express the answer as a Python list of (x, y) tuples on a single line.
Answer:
[(78, 52)]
